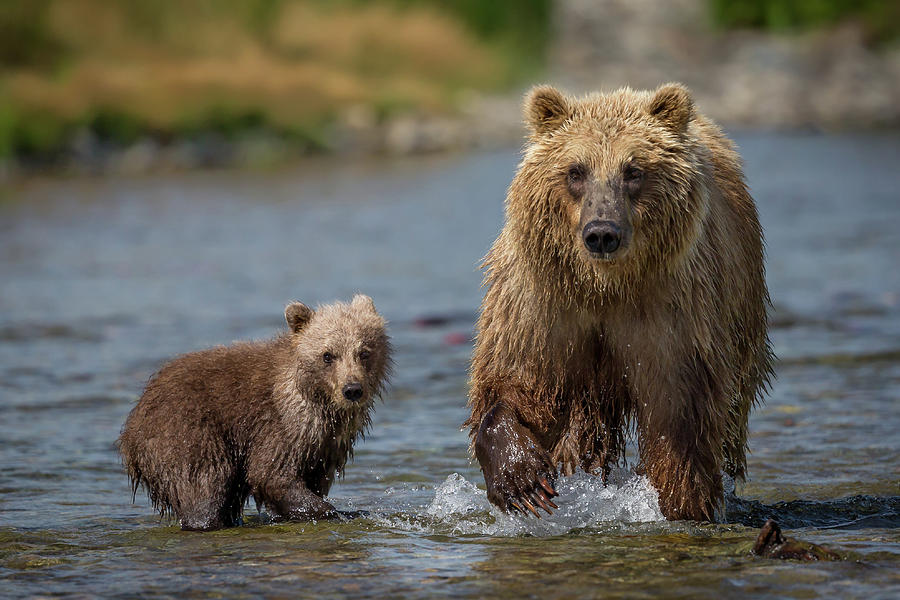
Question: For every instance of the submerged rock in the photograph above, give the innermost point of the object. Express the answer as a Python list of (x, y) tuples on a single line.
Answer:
[(772, 544)]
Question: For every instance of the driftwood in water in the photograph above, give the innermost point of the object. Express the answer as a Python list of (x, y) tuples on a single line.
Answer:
[(772, 544)]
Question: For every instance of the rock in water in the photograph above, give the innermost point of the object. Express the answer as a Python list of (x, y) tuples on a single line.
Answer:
[(772, 544)]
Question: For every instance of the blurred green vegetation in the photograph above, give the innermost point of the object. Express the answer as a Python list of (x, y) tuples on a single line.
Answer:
[(880, 18), (167, 68), (524, 25)]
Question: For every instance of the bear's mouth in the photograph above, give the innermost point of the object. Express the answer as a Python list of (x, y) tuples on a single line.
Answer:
[(615, 256), (351, 404)]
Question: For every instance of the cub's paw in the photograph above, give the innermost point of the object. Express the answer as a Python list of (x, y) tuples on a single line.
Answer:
[(303, 505), (314, 512), (518, 472)]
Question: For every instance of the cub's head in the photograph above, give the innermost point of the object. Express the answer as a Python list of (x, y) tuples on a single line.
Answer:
[(610, 184), (342, 352)]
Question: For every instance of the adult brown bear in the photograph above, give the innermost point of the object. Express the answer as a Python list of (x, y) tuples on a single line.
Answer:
[(626, 287)]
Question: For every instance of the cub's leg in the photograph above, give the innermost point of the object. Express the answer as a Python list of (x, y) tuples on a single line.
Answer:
[(518, 472), (203, 505), (292, 500)]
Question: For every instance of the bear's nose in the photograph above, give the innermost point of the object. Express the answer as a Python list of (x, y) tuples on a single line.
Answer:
[(602, 236), (353, 392)]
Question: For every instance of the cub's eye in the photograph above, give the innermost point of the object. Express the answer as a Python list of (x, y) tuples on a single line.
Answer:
[(632, 173), (328, 358), (576, 174), (364, 355)]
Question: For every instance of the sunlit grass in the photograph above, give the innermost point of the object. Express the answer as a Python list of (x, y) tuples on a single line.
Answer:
[(126, 69)]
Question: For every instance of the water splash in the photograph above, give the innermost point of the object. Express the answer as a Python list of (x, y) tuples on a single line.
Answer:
[(461, 508)]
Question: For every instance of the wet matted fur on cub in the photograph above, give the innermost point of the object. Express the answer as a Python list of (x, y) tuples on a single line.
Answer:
[(273, 419), (626, 287)]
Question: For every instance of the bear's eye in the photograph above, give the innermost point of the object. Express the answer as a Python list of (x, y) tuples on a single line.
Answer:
[(575, 180), (576, 174), (632, 173), (328, 358), (364, 355)]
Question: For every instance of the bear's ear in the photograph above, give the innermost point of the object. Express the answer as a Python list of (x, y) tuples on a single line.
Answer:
[(545, 109), (672, 104), (297, 316), (363, 301)]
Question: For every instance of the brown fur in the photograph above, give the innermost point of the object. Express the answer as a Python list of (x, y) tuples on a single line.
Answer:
[(668, 333), (268, 419)]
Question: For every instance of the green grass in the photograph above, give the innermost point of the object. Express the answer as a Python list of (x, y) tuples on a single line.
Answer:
[(124, 69), (521, 24), (25, 38), (880, 18)]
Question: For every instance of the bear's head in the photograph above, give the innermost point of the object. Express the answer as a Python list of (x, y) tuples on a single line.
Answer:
[(342, 352), (611, 186)]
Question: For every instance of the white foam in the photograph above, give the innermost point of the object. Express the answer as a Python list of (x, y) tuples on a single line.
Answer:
[(584, 501)]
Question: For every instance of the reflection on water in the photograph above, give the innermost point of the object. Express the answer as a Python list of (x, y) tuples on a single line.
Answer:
[(106, 279)]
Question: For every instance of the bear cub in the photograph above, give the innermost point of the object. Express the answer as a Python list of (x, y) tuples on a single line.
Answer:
[(273, 419)]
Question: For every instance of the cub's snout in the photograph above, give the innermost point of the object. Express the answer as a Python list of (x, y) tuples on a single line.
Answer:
[(353, 392)]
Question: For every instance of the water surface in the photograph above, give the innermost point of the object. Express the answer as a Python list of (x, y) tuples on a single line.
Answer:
[(105, 279)]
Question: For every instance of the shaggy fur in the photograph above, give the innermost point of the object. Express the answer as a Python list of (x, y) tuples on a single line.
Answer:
[(268, 419), (667, 333)]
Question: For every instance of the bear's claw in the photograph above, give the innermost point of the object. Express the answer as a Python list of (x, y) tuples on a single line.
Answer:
[(548, 489), (529, 501), (531, 507), (517, 471)]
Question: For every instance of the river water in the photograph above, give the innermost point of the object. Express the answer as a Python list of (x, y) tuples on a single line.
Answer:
[(105, 279)]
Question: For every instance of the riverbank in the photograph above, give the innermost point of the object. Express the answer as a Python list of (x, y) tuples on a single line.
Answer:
[(89, 86), (379, 80), (827, 78), (480, 122)]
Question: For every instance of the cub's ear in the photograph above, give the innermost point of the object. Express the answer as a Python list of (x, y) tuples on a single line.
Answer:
[(545, 109), (297, 316), (363, 301), (672, 104)]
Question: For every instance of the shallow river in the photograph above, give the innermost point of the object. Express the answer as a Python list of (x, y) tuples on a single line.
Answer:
[(103, 280)]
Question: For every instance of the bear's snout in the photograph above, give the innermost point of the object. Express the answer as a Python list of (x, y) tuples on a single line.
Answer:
[(353, 391), (602, 237)]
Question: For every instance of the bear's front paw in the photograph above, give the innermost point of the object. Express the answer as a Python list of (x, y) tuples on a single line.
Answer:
[(518, 472), (523, 487)]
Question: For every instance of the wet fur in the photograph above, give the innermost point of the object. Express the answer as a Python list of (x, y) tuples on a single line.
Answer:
[(265, 419), (671, 338)]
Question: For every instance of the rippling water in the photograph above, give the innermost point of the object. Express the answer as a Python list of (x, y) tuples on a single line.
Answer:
[(103, 280)]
